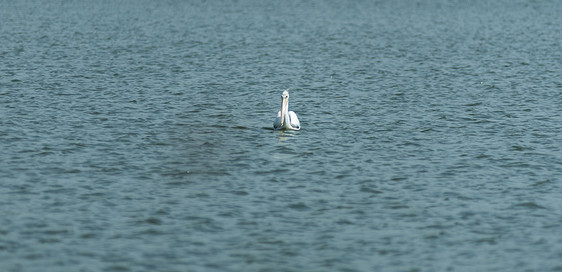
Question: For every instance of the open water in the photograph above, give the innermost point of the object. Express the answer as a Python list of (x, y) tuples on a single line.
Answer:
[(136, 136)]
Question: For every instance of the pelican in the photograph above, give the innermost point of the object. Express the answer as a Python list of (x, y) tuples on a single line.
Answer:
[(286, 119)]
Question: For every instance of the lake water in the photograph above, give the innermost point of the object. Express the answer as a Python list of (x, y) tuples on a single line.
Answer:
[(137, 136)]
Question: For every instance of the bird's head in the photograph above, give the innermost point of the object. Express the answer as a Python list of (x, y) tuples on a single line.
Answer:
[(285, 94)]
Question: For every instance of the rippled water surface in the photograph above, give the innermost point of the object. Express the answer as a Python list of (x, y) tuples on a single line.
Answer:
[(136, 136)]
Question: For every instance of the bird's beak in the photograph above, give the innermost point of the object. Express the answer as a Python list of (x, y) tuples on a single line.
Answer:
[(283, 109)]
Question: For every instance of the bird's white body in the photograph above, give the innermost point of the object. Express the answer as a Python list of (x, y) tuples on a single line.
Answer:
[(286, 119)]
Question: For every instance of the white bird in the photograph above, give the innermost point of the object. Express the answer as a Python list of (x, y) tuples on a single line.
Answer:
[(286, 119)]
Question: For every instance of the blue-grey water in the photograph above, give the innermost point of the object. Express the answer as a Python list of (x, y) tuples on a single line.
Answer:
[(136, 136)]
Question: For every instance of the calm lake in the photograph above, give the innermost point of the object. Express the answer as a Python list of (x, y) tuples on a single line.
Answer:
[(137, 135)]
